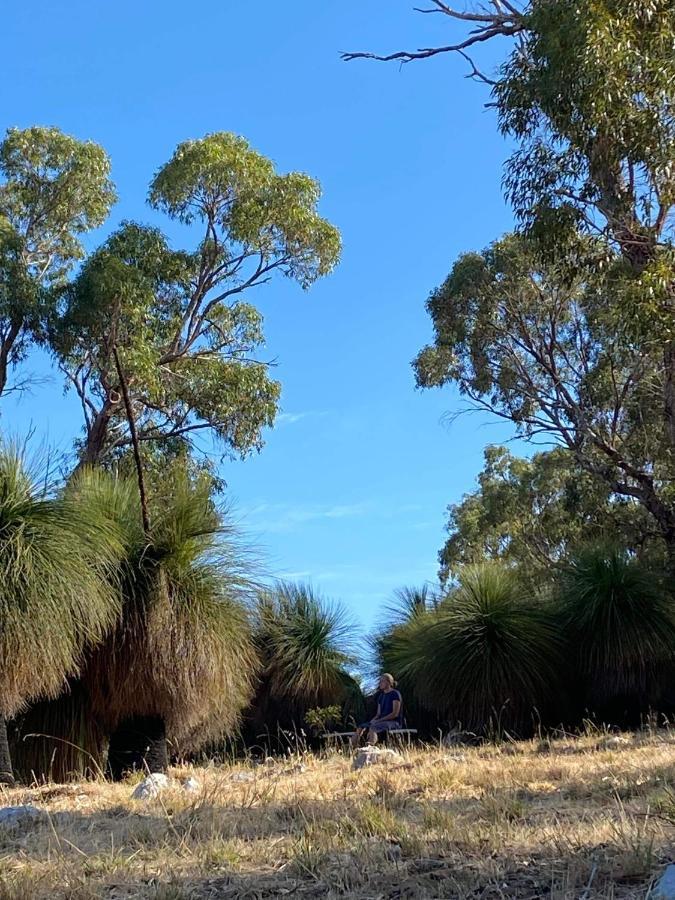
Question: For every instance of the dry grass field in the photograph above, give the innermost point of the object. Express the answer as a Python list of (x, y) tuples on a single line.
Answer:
[(570, 819)]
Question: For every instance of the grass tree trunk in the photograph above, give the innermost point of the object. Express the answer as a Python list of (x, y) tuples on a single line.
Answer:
[(139, 744), (6, 774), (146, 735)]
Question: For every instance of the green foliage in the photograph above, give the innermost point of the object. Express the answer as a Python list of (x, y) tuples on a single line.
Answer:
[(53, 189), (621, 626), (188, 340), (533, 340), (533, 512), (304, 644), (223, 181), (486, 656), (322, 718), (56, 593), (134, 293)]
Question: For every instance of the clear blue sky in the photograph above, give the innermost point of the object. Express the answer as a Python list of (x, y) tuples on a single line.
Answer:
[(351, 489)]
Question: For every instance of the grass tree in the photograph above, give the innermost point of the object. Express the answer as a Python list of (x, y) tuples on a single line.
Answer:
[(56, 596), (304, 642), (407, 606), (180, 661), (621, 624), (485, 657)]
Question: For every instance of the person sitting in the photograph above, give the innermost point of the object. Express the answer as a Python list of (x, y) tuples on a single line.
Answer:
[(389, 712)]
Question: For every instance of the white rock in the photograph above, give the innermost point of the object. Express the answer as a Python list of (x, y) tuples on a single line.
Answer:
[(192, 785), (454, 757), (665, 886), (242, 776), (372, 756), (17, 815), (152, 786)]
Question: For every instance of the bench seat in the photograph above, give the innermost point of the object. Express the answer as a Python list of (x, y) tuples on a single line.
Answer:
[(344, 734)]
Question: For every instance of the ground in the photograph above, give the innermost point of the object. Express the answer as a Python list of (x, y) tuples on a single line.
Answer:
[(571, 818)]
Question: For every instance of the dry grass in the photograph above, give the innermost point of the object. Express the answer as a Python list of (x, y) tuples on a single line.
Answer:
[(564, 820)]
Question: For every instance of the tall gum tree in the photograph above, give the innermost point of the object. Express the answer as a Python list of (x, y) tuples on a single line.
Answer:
[(53, 188), (533, 512), (533, 343), (587, 91), (186, 336)]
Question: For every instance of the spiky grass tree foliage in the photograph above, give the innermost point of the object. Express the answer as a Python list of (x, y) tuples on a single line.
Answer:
[(56, 594), (621, 624), (486, 657), (408, 603), (180, 661), (304, 644)]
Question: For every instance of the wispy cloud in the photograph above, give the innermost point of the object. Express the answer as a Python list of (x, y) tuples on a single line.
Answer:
[(277, 517), (291, 418)]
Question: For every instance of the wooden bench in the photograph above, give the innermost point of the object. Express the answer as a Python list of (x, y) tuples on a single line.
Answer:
[(337, 737)]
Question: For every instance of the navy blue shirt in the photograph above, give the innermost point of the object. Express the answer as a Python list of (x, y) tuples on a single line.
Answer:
[(386, 702)]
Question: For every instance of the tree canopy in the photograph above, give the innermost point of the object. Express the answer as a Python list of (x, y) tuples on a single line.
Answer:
[(188, 340), (532, 513), (534, 341), (53, 189)]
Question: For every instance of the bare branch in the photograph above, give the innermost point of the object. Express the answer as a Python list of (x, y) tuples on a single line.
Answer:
[(506, 21)]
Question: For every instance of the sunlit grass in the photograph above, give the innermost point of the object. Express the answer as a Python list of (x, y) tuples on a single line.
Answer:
[(435, 824)]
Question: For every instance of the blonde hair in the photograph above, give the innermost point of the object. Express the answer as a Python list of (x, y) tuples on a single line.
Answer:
[(390, 679)]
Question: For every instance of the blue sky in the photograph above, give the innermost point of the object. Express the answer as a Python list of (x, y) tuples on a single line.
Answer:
[(351, 488)]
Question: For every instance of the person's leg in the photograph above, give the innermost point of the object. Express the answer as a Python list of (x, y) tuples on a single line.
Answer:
[(356, 737), (372, 737)]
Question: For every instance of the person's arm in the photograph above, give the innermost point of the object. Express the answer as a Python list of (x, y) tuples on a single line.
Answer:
[(377, 715)]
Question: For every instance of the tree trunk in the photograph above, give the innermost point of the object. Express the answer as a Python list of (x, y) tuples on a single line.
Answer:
[(6, 346), (6, 774), (139, 744), (58, 740), (669, 389), (97, 435)]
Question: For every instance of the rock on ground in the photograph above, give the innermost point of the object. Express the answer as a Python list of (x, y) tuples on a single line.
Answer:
[(151, 786), (17, 815), (372, 756), (242, 776), (665, 886), (192, 785), (457, 738)]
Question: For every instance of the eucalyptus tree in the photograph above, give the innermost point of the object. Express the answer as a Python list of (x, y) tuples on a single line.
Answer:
[(57, 594), (533, 342), (53, 189), (188, 337), (533, 512), (587, 92)]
